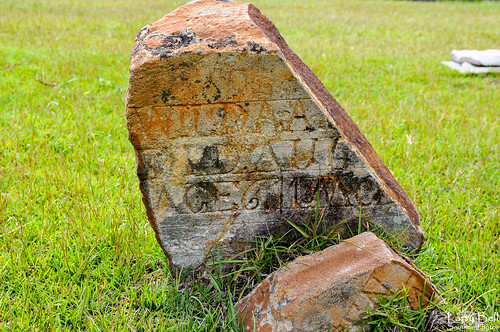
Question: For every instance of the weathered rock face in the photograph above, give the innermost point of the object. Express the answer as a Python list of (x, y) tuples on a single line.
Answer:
[(332, 289), (233, 133)]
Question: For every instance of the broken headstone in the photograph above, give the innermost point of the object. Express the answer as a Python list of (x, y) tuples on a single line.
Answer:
[(332, 290), (477, 58), (467, 68), (233, 133), (474, 62)]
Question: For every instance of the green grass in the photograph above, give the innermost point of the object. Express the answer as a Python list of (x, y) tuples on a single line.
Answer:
[(394, 314), (76, 249)]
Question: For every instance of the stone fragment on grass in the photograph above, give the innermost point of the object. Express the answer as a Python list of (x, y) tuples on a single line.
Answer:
[(332, 290), (233, 133), (474, 62), (477, 58), (467, 68)]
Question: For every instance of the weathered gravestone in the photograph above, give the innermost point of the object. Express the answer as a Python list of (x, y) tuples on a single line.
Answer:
[(233, 133)]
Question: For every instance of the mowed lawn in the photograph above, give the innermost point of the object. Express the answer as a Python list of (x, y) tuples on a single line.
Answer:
[(76, 249)]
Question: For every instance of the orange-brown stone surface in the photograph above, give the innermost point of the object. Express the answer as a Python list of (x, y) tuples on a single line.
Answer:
[(233, 133), (332, 289)]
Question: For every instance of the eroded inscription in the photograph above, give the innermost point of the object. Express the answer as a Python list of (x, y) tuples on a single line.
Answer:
[(249, 165), (222, 173), (301, 191)]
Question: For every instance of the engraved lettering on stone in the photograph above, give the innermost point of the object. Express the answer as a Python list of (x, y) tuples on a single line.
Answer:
[(201, 198)]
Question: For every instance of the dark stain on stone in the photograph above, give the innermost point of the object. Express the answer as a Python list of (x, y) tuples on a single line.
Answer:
[(257, 314), (175, 42), (306, 189), (272, 203), (381, 198), (140, 47), (352, 185), (142, 34), (163, 55), (256, 48), (166, 96), (309, 129), (209, 162), (211, 92), (201, 197), (220, 112), (229, 41), (186, 64)]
